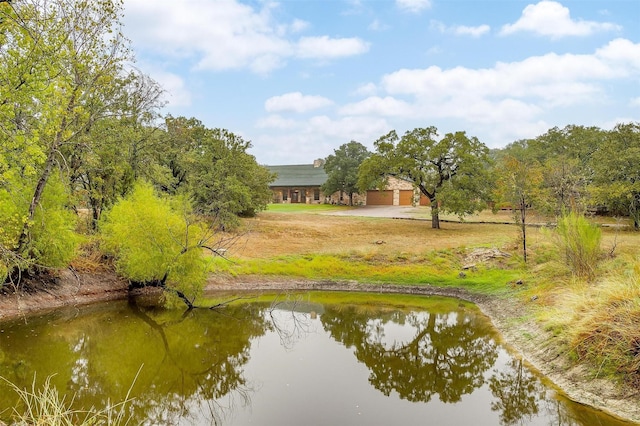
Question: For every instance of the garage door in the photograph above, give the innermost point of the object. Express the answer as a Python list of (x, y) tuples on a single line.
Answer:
[(379, 198), (424, 201), (406, 197)]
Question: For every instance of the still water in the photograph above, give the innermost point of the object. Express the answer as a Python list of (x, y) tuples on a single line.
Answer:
[(297, 359)]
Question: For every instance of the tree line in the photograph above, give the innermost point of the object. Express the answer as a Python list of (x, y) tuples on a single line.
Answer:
[(575, 169), (81, 136)]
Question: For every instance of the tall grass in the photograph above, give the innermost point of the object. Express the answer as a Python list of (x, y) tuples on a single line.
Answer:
[(44, 406), (579, 242), (605, 327)]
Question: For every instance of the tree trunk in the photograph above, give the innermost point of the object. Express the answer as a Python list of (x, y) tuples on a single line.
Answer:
[(523, 225), (44, 177), (435, 213), (35, 200), (634, 211)]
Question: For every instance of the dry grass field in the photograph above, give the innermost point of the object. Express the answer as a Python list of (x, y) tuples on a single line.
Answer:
[(273, 234)]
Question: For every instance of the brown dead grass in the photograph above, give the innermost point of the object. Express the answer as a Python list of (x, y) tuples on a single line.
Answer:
[(275, 234)]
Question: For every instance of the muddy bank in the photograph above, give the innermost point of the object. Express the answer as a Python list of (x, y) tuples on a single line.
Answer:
[(524, 336)]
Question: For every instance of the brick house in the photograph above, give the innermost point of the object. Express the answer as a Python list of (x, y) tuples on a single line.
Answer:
[(299, 183), (302, 183)]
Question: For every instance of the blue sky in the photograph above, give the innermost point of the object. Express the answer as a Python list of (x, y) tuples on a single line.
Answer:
[(299, 78)]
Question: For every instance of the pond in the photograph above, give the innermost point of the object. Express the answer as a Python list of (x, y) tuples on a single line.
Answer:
[(288, 359)]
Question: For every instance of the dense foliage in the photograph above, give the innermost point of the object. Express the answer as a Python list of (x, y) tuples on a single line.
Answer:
[(79, 126), (452, 172), (156, 241), (342, 169), (214, 167)]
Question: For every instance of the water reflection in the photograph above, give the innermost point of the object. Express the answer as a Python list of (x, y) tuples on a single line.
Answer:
[(518, 393), (188, 362), (447, 355), (440, 362)]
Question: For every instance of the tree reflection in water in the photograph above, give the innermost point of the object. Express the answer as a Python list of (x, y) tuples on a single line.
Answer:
[(518, 393), (193, 365), (447, 355)]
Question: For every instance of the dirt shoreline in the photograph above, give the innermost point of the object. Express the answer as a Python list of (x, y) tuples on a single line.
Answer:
[(536, 346)]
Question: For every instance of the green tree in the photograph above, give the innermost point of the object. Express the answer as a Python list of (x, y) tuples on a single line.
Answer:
[(214, 167), (616, 166), (452, 172), (117, 150), (566, 155), (342, 169), (61, 64), (156, 242), (519, 183), (52, 240)]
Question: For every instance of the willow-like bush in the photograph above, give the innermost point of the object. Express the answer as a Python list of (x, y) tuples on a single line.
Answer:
[(154, 242), (579, 243)]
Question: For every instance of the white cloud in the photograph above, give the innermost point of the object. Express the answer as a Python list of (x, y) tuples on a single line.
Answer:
[(374, 105), (376, 25), (550, 18), (471, 31), (347, 128), (567, 78), (225, 34), (298, 25), (462, 30), (325, 47), (622, 52), (507, 101), (296, 102), (276, 122), (413, 6), (367, 89), (321, 135)]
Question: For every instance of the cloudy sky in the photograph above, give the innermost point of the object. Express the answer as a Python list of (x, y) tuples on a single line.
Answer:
[(299, 78)]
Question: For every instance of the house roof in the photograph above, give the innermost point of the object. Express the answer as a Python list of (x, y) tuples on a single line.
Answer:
[(298, 175)]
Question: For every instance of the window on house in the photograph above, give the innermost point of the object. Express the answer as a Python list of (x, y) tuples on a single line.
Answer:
[(316, 195), (284, 195)]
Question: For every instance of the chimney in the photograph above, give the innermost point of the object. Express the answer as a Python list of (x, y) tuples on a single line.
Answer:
[(318, 163)]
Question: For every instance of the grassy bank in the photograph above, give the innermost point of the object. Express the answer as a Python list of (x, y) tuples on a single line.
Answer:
[(596, 320)]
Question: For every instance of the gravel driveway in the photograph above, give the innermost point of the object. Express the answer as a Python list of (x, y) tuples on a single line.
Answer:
[(404, 212)]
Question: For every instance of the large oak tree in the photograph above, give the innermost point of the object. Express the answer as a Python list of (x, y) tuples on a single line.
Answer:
[(452, 171)]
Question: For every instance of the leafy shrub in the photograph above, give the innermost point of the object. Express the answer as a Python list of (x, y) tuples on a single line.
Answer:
[(52, 238), (579, 243), (154, 241)]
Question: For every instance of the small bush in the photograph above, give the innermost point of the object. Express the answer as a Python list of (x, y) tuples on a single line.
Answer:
[(579, 242), (155, 242)]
